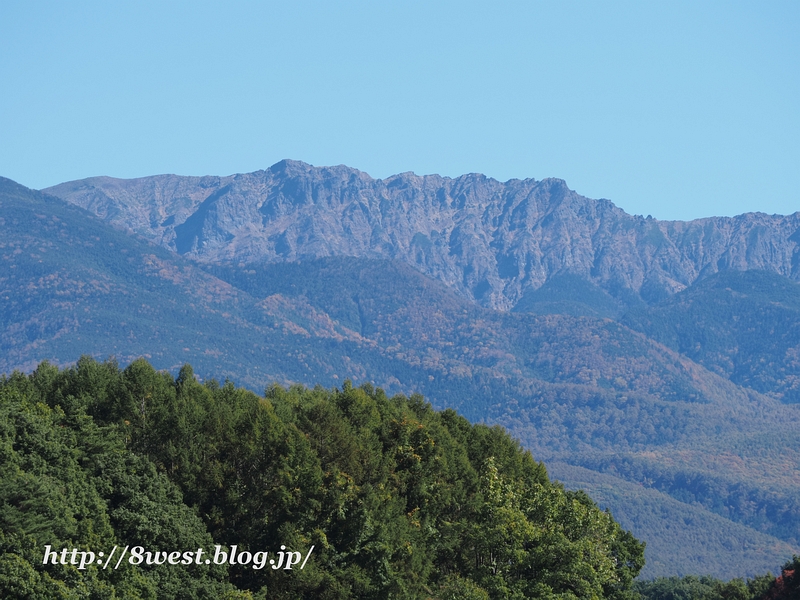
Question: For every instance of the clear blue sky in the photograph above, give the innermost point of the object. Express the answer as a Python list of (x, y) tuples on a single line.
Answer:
[(675, 109)]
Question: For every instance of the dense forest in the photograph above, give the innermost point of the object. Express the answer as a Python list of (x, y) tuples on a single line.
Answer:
[(398, 500)]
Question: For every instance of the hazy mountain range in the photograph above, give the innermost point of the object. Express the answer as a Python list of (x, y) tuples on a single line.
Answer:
[(655, 364), (489, 241)]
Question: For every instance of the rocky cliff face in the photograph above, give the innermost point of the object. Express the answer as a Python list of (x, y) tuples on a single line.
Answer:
[(493, 242)]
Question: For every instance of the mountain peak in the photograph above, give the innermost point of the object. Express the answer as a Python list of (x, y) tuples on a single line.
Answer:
[(298, 168), (491, 242), (288, 164)]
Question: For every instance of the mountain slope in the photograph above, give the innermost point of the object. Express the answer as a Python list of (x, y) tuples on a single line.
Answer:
[(71, 285), (413, 318), (489, 241), (742, 325), (686, 533), (583, 390)]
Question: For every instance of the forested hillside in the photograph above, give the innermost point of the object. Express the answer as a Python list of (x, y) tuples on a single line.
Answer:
[(397, 500), (573, 385), (744, 326)]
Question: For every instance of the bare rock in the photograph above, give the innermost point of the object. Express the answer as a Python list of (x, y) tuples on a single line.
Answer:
[(490, 241)]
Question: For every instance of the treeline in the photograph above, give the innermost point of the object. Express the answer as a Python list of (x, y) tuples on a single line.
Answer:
[(398, 500), (692, 587)]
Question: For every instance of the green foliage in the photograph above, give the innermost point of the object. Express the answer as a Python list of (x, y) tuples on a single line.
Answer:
[(71, 483), (399, 500), (457, 588), (693, 587)]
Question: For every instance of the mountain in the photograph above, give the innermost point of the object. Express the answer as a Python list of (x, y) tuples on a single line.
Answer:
[(683, 535), (493, 243), (72, 285), (744, 326), (577, 387)]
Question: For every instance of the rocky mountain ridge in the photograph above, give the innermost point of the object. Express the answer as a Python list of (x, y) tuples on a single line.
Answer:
[(492, 242)]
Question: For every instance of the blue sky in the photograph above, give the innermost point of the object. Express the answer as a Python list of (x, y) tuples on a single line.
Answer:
[(675, 109)]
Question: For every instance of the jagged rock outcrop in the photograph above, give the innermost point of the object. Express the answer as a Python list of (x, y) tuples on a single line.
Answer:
[(493, 242)]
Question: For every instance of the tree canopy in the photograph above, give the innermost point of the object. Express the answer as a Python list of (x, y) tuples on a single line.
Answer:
[(397, 499)]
